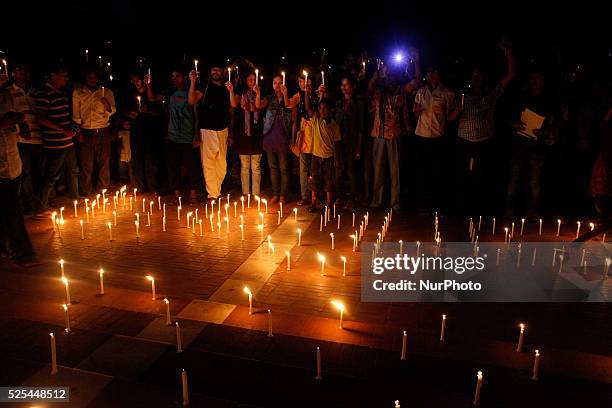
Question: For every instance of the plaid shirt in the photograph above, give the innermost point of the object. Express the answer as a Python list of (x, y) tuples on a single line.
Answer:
[(476, 121)]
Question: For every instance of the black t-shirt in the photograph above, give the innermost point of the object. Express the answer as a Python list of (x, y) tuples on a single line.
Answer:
[(214, 108)]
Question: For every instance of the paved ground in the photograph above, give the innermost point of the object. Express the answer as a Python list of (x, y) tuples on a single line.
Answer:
[(121, 353)]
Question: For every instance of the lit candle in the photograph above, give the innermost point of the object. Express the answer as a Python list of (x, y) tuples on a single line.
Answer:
[(353, 225), (66, 318), (321, 224), (82, 232), (519, 347), (66, 284), (53, 355), (340, 307), (200, 222), (168, 321), (343, 259), (332, 240), (178, 213), (578, 229), (443, 328), (299, 231), (189, 214), (522, 225), (137, 225), (180, 202), (536, 366), (279, 218), (558, 227), (322, 260), (319, 377), (288, 254), (283, 75), (325, 217), (164, 223), (256, 77), (139, 99), (305, 77), (152, 280), (250, 294), (242, 202), (258, 203), (265, 203), (270, 334), (249, 200), (229, 74), (354, 241), (338, 221), (98, 200), (478, 389), (506, 234), (179, 343), (404, 343), (280, 204), (61, 262), (110, 231), (159, 206), (235, 204), (131, 199), (512, 231), (195, 63), (212, 227), (323, 78), (75, 208), (185, 388), (295, 214), (101, 273)]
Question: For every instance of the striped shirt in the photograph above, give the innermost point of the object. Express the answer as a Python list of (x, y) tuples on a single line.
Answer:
[(54, 106), (476, 121)]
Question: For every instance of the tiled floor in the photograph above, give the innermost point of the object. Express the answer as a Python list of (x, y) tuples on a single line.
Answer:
[(122, 353)]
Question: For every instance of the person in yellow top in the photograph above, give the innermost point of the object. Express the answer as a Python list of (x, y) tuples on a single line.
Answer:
[(326, 150)]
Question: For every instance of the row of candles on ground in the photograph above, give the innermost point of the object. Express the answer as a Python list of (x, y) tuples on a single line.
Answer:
[(341, 308), (474, 229), (192, 216)]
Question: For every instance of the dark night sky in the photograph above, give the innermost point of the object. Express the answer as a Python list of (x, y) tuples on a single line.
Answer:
[(166, 30)]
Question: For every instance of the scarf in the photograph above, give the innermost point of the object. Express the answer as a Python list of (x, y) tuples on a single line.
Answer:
[(251, 113)]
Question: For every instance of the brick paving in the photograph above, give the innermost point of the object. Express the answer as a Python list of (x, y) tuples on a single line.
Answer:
[(121, 353)]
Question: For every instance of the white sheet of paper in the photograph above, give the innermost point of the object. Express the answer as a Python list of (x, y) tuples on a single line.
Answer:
[(532, 121)]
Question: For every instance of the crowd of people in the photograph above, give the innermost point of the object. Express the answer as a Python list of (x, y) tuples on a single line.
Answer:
[(372, 133)]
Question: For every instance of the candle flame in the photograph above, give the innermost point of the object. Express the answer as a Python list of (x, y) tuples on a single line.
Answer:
[(166, 301), (321, 257), (343, 258), (65, 306), (150, 278), (522, 326), (537, 353), (247, 290), (338, 305), (443, 317), (65, 280), (479, 375), (101, 271)]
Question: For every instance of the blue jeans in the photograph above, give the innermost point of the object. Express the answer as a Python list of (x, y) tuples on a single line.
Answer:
[(525, 167), (388, 148), (279, 172), (56, 161)]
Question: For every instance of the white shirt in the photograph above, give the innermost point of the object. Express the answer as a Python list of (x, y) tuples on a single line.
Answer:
[(436, 105), (87, 109)]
